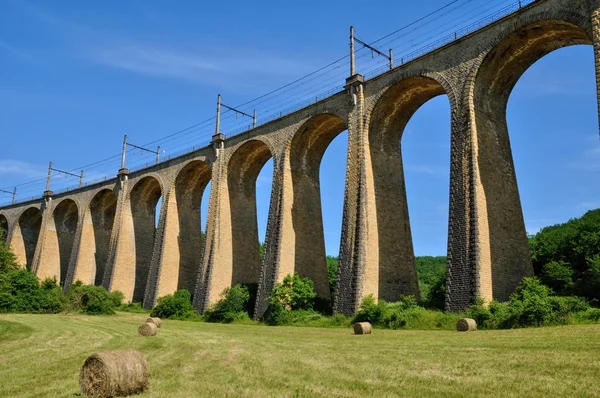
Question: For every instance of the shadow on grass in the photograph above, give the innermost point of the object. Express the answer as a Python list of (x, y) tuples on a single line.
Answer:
[(13, 331)]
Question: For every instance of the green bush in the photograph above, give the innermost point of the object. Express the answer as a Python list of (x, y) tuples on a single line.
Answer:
[(531, 305), (370, 310), (480, 313), (436, 296), (135, 308), (232, 306), (287, 318), (590, 315), (176, 306), (332, 273), (21, 292), (558, 276), (291, 295), (565, 305), (92, 300), (8, 260), (589, 284), (404, 314), (567, 256), (429, 270), (117, 298), (252, 291), (294, 293)]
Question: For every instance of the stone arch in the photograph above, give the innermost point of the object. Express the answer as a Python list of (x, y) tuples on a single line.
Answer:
[(3, 228), (25, 236), (508, 259), (242, 172), (59, 241), (134, 183), (143, 199), (305, 153), (95, 237), (516, 51), (190, 184), (392, 251)]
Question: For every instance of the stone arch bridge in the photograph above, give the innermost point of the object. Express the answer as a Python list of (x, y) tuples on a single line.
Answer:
[(105, 233)]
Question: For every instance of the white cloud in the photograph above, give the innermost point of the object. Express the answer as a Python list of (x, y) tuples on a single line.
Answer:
[(238, 68), (245, 68), (153, 61), (16, 167)]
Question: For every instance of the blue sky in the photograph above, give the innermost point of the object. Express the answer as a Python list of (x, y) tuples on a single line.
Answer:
[(76, 76)]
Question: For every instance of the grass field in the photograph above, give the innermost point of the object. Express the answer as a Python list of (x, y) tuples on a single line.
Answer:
[(40, 355)]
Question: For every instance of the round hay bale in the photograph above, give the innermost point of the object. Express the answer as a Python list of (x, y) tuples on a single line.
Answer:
[(363, 328), (148, 329), (114, 373), (155, 321), (466, 325)]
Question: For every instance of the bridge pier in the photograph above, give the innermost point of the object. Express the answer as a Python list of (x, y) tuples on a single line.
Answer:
[(164, 270), (488, 252), (273, 267), (295, 237), (463, 262), (46, 211), (498, 240), (216, 271), (119, 274), (231, 250), (358, 260)]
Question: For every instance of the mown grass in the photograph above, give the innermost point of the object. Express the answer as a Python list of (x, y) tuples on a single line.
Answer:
[(40, 355)]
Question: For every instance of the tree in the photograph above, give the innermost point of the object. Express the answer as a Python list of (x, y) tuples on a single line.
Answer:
[(8, 260), (332, 271), (294, 293), (567, 256)]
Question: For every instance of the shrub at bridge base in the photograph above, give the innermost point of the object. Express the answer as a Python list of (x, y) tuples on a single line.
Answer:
[(114, 374), (404, 314), (176, 306), (293, 295), (8, 260), (92, 300), (22, 292), (531, 305), (233, 305)]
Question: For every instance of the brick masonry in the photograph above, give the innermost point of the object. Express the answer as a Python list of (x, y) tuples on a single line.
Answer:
[(105, 233)]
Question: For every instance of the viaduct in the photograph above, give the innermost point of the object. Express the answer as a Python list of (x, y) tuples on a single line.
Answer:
[(105, 234)]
